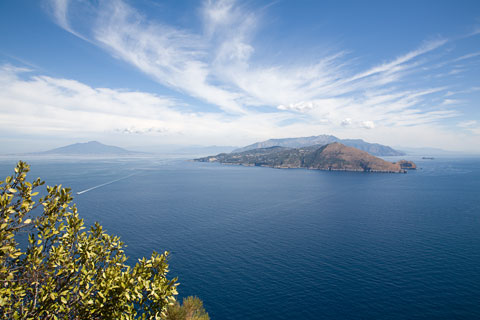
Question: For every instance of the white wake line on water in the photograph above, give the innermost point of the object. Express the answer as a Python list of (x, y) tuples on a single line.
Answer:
[(104, 184)]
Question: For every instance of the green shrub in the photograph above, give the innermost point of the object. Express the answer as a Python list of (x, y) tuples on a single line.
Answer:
[(66, 272)]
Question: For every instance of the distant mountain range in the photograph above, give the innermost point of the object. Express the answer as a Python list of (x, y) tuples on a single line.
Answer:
[(89, 148), (372, 148), (333, 156)]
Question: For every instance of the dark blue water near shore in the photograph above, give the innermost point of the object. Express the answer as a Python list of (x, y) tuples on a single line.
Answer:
[(260, 243)]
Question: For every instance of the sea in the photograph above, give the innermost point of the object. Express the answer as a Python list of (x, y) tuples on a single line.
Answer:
[(263, 243)]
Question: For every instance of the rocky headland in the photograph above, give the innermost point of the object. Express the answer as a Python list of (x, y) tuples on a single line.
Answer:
[(334, 156)]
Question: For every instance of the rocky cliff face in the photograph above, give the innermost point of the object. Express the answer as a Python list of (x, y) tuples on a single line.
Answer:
[(334, 156)]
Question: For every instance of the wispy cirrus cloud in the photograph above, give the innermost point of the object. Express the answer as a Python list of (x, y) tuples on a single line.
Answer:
[(59, 10), (399, 63), (69, 110), (172, 57), (215, 66), (218, 65), (46, 106), (467, 56), (471, 126)]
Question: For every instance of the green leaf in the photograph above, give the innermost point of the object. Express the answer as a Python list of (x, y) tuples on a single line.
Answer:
[(87, 265)]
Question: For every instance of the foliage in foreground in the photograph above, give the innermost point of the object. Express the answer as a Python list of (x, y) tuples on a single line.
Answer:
[(191, 309), (69, 273)]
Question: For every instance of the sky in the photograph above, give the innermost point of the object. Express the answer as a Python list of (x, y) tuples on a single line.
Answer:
[(148, 73)]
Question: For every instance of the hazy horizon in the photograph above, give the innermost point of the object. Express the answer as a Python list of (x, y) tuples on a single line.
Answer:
[(142, 74), (195, 149)]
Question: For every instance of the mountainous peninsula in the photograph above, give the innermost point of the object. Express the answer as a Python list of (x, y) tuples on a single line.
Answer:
[(372, 148), (89, 148), (334, 156)]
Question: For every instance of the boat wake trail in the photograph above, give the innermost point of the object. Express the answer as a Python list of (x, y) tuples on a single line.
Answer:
[(104, 184)]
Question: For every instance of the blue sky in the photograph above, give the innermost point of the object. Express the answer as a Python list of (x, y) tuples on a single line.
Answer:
[(148, 73)]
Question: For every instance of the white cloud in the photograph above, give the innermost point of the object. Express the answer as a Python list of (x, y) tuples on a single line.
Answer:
[(467, 124), (476, 30), (299, 106), (59, 10), (346, 122), (451, 102), (218, 65), (467, 56), (368, 124), (470, 126), (173, 57), (55, 109), (399, 63)]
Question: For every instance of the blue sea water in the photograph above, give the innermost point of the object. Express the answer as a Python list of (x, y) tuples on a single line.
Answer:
[(261, 243)]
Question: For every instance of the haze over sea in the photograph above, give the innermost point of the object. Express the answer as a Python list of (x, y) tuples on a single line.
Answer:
[(261, 243)]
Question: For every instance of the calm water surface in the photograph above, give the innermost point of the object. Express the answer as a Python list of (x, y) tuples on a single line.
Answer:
[(260, 243)]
